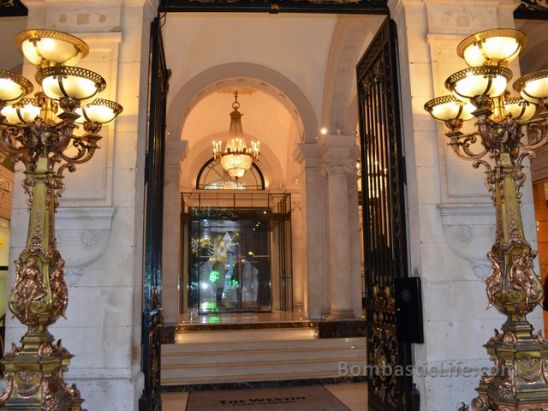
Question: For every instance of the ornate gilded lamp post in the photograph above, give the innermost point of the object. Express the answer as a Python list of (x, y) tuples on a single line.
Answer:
[(506, 132), (41, 132)]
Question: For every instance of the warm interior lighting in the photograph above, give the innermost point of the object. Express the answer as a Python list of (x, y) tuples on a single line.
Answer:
[(72, 82), (50, 47), (99, 111), (492, 47), (533, 86), (25, 111), (13, 86), (447, 108), (236, 158), (479, 81), (519, 108)]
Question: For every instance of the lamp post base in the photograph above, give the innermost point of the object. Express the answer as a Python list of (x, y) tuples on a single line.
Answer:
[(520, 382), (35, 382)]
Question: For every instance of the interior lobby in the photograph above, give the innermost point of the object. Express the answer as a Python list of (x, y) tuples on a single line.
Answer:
[(281, 274)]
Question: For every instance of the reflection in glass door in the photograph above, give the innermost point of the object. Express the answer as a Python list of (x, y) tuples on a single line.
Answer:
[(229, 261)]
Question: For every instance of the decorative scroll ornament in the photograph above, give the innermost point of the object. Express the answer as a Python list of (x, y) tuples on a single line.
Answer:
[(499, 145), (32, 132)]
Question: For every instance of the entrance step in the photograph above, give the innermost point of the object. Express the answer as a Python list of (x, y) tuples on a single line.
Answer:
[(236, 356)]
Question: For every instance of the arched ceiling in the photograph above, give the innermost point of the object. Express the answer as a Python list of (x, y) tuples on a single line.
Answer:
[(264, 118), (296, 46)]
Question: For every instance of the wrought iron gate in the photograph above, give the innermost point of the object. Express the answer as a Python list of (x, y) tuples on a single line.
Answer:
[(383, 179), (154, 183)]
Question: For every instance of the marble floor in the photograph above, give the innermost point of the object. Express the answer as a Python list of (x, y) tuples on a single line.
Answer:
[(354, 396)]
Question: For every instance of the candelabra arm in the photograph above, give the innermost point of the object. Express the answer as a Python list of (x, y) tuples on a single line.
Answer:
[(461, 145), (537, 132), (85, 147)]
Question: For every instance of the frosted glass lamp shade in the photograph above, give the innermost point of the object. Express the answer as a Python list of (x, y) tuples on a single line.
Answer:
[(13, 87), (73, 82), (99, 111), (479, 81), (519, 108), (492, 47), (49, 47), (236, 164), (533, 86), (446, 108), (25, 111)]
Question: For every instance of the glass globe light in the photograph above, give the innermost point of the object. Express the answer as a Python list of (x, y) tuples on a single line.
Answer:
[(479, 81), (70, 82), (519, 108), (99, 111), (446, 108), (13, 87), (492, 47), (49, 47), (533, 87), (25, 111)]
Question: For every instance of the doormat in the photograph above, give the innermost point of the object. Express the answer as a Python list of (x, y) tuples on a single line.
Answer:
[(304, 398)]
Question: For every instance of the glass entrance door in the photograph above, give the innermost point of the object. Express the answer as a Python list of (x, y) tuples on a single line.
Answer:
[(229, 261)]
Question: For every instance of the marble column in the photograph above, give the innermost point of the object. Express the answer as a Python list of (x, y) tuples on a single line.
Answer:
[(176, 151), (339, 154), (315, 230), (298, 242)]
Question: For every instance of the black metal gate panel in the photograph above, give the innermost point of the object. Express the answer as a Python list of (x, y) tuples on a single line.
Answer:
[(385, 254), (154, 186)]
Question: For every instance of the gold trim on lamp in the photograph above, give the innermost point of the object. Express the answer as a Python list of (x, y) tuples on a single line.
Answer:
[(95, 115), (462, 112), (21, 113), (58, 89), (520, 85), (37, 56), (491, 86), (24, 84), (486, 52)]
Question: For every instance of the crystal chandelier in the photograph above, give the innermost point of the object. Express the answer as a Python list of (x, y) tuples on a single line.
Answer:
[(506, 131), (236, 158), (40, 132)]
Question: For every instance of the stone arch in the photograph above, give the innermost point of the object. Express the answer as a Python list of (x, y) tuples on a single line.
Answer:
[(350, 39), (246, 74)]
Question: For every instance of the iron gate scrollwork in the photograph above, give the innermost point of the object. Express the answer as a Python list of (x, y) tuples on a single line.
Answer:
[(385, 254), (154, 186)]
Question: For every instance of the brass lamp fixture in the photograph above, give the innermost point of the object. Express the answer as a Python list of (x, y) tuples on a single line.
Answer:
[(507, 130), (41, 133), (236, 158)]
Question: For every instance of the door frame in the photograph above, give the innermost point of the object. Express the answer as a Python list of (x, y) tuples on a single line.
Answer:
[(374, 7)]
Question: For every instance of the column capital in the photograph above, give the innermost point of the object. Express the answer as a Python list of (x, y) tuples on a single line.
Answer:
[(308, 154), (338, 153), (176, 151)]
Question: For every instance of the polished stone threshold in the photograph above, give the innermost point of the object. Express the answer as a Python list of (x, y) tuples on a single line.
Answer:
[(256, 321)]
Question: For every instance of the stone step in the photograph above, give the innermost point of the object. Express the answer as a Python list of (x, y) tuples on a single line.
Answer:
[(240, 360), (242, 378), (258, 355), (261, 371)]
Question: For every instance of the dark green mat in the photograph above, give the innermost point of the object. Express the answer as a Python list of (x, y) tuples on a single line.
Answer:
[(303, 398)]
